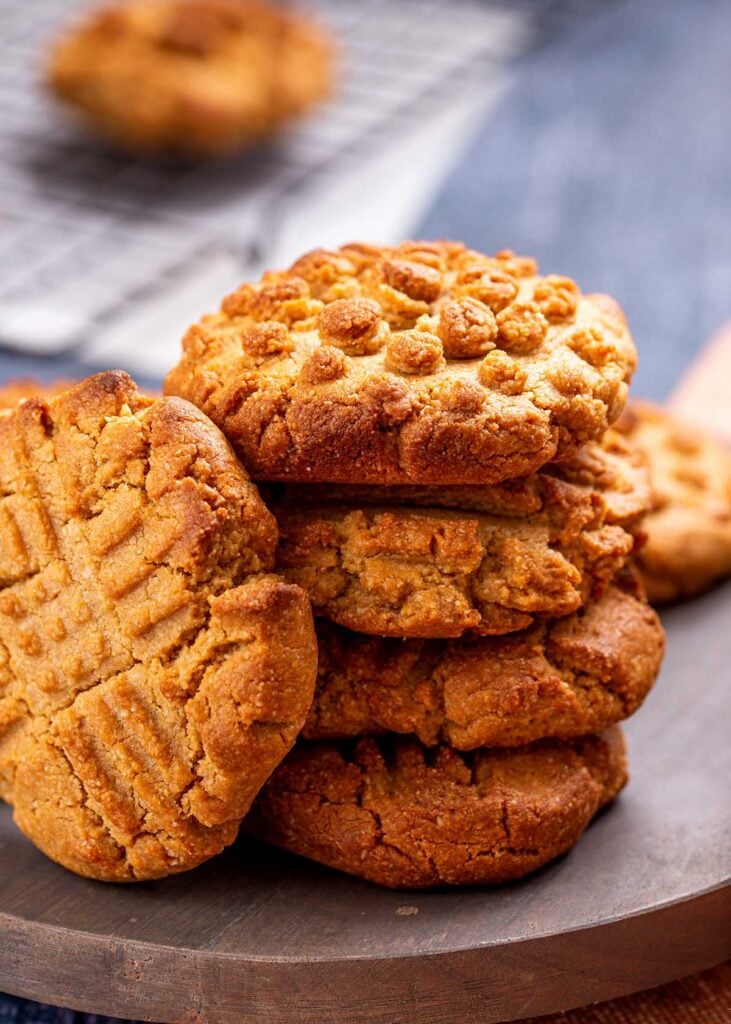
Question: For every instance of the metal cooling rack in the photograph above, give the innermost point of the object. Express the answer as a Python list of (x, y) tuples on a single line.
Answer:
[(85, 232)]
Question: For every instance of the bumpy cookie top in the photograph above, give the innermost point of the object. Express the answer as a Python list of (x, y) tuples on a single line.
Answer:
[(152, 669), (399, 814), (198, 77), (689, 529), (424, 363)]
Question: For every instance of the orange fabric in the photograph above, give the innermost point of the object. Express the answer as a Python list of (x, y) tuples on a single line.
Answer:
[(700, 999)]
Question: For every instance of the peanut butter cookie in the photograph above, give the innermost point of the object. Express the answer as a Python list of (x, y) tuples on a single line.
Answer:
[(406, 816), (561, 679), (423, 363), (153, 670), (195, 77), (442, 562), (15, 390), (688, 546)]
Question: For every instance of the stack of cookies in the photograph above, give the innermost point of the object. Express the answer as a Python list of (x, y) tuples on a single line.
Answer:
[(432, 431)]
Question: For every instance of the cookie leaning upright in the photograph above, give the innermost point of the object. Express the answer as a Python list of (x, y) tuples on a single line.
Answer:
[(423, 363), (192, 77), (153, 670), (688, 546)]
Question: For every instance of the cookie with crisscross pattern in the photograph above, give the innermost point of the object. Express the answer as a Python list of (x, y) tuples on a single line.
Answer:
[(153, 670)]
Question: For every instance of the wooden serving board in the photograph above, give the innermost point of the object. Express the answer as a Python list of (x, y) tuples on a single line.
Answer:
[(258, 936)]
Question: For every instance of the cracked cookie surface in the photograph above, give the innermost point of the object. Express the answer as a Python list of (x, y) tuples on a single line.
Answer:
[(688, 546), (443, 562), (153, 670), (423, 363), (193, 77), (397, 813), (560, 679)]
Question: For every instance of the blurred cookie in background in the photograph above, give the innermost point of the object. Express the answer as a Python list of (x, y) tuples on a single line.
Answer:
[(194, 78), (688, 546)]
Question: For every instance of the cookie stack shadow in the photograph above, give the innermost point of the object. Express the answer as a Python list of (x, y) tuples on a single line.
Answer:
[(481, 630)]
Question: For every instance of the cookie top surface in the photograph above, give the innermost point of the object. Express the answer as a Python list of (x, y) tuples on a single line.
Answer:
[(423, 363), (153, 670), (402, 815), (196, 77), (444, 562), (563, 678), (17, 389), (688, 545)]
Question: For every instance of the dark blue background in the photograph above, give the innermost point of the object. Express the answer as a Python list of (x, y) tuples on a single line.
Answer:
[(610, 160), (20, 1011)]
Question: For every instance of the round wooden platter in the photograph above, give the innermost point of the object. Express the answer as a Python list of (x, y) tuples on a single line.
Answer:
[(258, 936)]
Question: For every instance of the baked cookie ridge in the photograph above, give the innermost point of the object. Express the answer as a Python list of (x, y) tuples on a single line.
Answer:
[(154, 669)]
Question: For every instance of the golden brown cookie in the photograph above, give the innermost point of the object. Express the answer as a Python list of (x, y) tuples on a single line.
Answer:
[(15, 390), (153, 670), (559, 679), (407, 816), (194, 77), (423, 363), (688, 545), (442, 562)]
